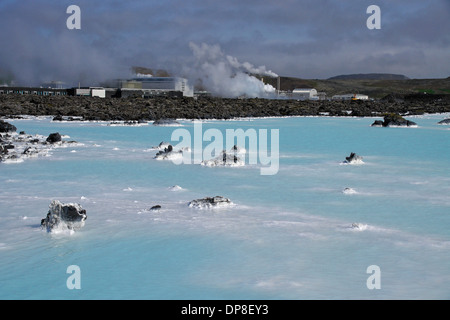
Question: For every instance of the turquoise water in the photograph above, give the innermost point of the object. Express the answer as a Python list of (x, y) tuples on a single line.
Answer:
[(288, 236)]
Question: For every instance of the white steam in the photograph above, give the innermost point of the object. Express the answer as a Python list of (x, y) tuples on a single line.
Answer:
[(225, 76)]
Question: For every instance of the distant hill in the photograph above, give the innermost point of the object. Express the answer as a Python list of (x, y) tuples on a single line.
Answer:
[(370, 76), (374, 88)]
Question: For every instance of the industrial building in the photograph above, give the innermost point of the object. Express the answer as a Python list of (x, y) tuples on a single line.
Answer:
[(305, 94), (139, 87), (35, 91), (154, 86)]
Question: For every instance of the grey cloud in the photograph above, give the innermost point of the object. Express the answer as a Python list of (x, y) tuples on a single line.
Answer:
[(310, 39)]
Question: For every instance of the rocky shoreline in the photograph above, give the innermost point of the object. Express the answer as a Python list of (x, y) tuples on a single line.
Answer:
[(15, 147), (138, 109)]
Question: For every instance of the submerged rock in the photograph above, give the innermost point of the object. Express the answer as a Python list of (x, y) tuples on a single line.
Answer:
[(176, 188), (166, 122), (445, 121), (7, 127), (359, 226), (378, 123), (64, 216), (353, 159), (349, 191), (210, 202)]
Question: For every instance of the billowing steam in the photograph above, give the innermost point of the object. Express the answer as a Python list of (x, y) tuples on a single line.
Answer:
[(225, 76)]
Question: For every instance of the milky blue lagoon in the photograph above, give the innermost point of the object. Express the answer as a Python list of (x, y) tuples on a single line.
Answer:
[(287, 236)]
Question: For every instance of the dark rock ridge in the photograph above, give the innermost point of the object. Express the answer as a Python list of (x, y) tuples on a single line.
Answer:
[(64, 216), (165, 122), (393, 120), (445, 121), (135, 109), (210, 202)]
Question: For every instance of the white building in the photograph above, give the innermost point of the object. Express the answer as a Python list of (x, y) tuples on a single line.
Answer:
[(350, 96), (82, 92), (98, 92), (91, 92), (155, 85), (304, 94)]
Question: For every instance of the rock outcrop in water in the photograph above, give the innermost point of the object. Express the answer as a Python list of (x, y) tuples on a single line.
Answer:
[(349, 191), (54, 138), (210, 202), (166, 122), (169, 153), (445, 122), (64, 216), (359, 226), (354, 159), (224, 159), (162, 145), (6, 127), (394, 120), (15, 147), (229, 159)]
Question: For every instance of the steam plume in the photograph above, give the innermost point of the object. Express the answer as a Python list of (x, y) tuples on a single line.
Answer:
[(225, 76)]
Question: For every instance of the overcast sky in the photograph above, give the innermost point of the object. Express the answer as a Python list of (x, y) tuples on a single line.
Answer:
[(305, 38)]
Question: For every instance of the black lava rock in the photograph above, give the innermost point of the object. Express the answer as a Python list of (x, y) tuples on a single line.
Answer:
[(393, 120), (7, 127), (445, 121), (54, 137)]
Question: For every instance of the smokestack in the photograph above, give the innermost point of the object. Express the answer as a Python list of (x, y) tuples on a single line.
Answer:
[(278, 85)]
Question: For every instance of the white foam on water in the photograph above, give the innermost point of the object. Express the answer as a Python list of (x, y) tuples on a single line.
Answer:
[(13, 161), (176, 188), (356, 162), (349, 191)]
